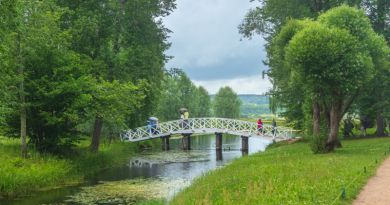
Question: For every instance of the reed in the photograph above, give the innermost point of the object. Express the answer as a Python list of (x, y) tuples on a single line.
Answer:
[(20, 176)]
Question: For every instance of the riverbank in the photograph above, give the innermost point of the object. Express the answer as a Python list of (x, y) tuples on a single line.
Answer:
[(291, 175), (20, 177)]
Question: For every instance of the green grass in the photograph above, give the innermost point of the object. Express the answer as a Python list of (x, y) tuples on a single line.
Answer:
[(290, 175), (20, 176)]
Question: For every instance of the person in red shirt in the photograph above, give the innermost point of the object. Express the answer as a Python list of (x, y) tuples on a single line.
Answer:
[(259, 125)]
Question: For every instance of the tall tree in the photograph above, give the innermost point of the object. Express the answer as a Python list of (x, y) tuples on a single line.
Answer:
[(62, 68), (374, 103), (226, 103), (332, 59), (39, 63), (204, 102), (8, 23), (179, 92), (267, 20), (125, 41)]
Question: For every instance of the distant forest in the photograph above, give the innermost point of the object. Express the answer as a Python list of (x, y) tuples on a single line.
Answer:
[(252, 105)]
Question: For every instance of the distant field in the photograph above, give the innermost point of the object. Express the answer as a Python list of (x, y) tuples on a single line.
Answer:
[(253, 106)]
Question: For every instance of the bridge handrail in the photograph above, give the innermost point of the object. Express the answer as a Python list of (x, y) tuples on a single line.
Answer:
[(205, 125)]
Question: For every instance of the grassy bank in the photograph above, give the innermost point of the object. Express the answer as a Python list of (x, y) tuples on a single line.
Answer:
[(291, 175), (21, 176)]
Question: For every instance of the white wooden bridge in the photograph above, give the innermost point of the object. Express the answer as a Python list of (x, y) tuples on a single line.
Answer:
[(207, 126)]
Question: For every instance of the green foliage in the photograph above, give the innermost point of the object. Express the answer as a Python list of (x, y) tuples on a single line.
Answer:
[(226, 103), (374, 102), (253, 106), (204, 103), (67, 63), (20, 176), (179, 92), (318, 141), (272, 18), (327, 61), (114, 102), (377, 11), (286, 93), (271, 15), (290, 174), (38, 57)]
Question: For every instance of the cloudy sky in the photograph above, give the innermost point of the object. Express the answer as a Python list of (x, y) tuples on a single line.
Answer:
[(207, 46)]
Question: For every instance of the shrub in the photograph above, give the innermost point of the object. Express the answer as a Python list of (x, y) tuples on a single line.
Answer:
[(318, 143)]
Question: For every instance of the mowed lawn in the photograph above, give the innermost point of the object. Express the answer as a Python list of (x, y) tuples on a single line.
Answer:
[(291, 174)]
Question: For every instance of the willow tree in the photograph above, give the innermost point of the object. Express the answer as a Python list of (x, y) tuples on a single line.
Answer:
[(332, 59)]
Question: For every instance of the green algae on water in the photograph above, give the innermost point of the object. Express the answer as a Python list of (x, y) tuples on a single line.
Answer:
[(127, 191), (173, 157)]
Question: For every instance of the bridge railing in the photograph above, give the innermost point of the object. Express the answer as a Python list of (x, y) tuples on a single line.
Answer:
[(206, 125)]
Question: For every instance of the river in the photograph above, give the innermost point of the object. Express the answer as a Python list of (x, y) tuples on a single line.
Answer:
[(148, 175)]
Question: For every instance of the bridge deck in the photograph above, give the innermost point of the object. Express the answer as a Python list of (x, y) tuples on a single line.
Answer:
[(206, 126)]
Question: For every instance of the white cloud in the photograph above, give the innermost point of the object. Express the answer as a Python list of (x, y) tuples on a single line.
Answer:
[(205, 33), (206, 45), (246, 85)]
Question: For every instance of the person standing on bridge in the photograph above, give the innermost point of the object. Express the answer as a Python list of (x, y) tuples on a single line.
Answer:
[(260, 125), (182, 117), (186, 116)]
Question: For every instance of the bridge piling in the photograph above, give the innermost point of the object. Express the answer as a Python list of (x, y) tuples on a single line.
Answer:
[(186, 142), (165, 143), (218, 141), (219, 155), (244, 143)]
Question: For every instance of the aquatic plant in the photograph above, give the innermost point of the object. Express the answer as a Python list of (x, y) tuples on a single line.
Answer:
[(127, 191)]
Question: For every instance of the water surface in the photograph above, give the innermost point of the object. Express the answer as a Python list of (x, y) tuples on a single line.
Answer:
[(150, 174)]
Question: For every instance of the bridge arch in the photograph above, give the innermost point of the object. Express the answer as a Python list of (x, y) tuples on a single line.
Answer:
[(207, 126)]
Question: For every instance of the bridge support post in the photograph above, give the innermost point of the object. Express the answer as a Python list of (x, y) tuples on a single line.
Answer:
[(218, 141), (186, 142), (244, 144), (165, 143), (219, 155)]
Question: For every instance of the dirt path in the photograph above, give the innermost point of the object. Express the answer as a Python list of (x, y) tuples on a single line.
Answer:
[(377, 190)]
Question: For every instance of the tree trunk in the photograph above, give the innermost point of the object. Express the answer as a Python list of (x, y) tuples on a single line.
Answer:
[(316, 118), (335, 112), (97, 130), (23, 125), (380, 125), (22, 98)]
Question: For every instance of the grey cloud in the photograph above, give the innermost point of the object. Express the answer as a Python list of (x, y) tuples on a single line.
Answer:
[(206, 42)]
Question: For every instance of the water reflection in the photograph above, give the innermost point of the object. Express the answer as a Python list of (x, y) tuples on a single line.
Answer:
[(167, 165), (218, 154), (188, 165)]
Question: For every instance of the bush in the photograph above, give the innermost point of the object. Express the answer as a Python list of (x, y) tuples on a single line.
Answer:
[(318, 143)]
